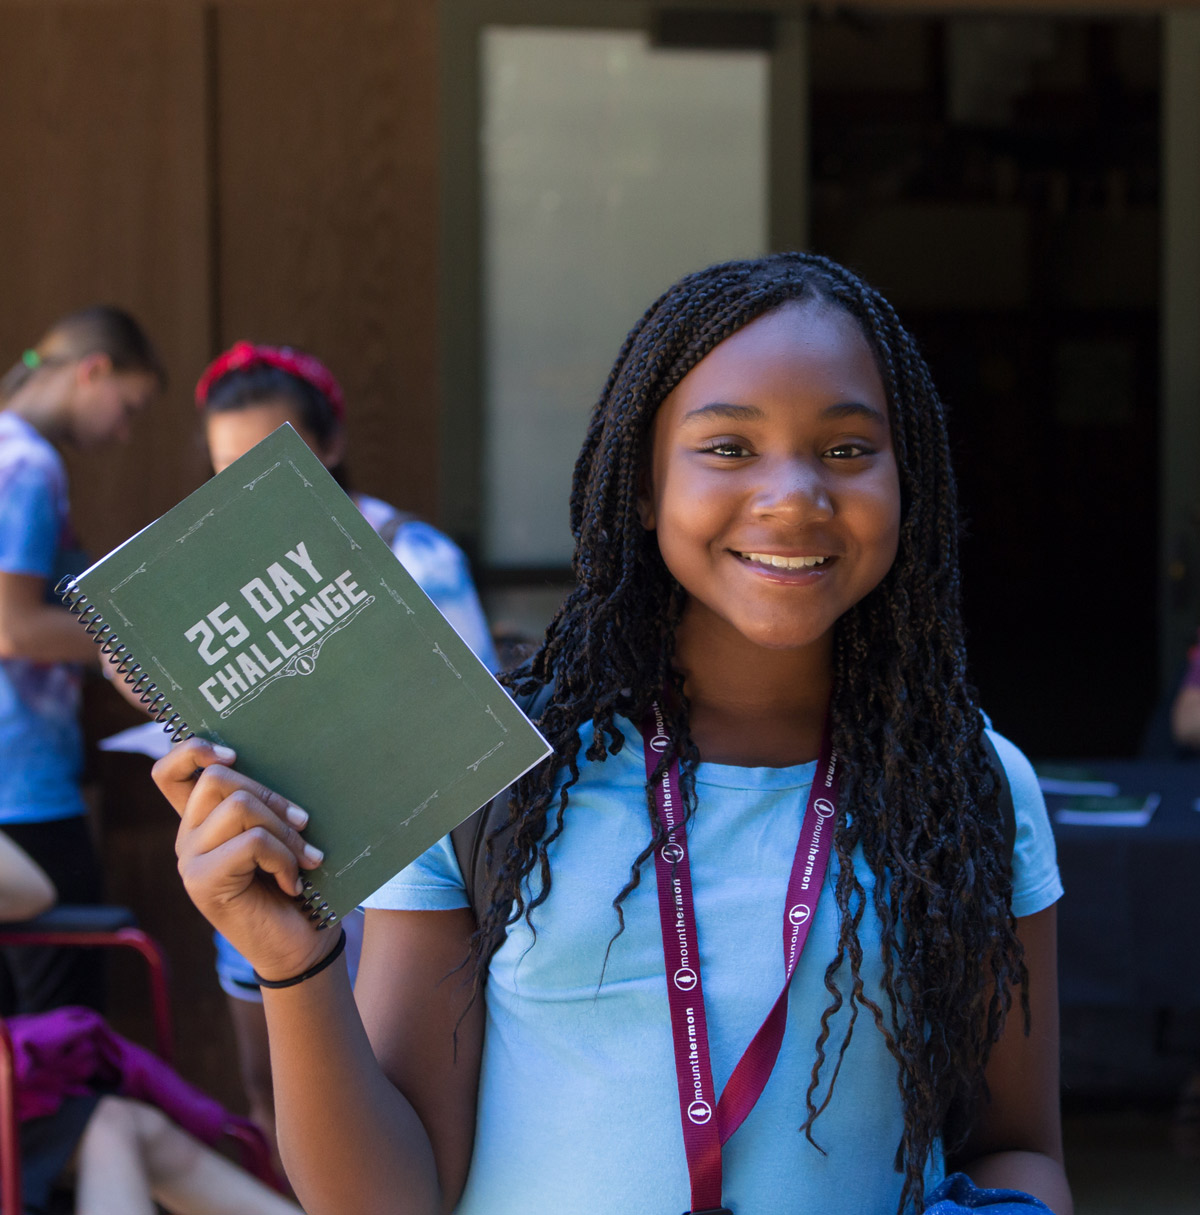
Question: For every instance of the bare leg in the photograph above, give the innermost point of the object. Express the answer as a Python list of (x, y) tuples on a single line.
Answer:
[(111, 1175), (254, 1063), (176, 1169)]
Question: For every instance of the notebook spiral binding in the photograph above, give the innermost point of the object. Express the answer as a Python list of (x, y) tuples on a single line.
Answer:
[(103, 634), (158, 706)]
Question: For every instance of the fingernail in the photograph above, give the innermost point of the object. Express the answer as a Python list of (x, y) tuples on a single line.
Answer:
[(297, 817), (225, 754), (299, 887), (315, 855)]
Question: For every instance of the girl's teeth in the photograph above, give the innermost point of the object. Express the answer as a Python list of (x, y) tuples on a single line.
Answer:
[(784, 563)]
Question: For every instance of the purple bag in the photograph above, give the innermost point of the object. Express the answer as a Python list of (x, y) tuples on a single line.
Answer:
[(958, 1194)]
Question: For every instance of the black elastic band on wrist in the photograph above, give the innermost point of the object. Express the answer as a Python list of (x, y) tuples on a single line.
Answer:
[(328, 960)]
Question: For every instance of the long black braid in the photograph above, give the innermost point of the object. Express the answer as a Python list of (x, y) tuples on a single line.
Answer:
[(921, 797)]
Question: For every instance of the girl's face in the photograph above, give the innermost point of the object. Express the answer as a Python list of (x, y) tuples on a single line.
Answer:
[(104, 402), (231, 433), (773, 485)]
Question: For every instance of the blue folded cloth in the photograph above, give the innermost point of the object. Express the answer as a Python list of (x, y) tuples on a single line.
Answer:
[(958, 1194)]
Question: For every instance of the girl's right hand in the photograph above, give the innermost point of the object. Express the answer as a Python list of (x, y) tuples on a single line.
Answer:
[(241, 857)]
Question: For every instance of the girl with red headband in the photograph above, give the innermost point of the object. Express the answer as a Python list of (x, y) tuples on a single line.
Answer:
[(244, 395), (251, 389)]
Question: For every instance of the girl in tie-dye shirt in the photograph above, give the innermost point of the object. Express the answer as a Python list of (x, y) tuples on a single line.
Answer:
[(79, 386)]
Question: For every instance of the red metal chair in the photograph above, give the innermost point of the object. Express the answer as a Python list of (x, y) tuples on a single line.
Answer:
[(84, 927)]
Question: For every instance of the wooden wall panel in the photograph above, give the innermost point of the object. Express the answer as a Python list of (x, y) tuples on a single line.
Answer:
[(223, 169), (104, 199), (327, 187)]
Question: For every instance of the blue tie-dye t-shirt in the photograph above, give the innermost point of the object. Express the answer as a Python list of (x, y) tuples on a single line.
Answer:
[(40, 743), (440, 569)]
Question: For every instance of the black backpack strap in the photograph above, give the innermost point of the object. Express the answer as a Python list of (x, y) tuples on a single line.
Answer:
[(468, 840), (1008, 811), (470, 836)]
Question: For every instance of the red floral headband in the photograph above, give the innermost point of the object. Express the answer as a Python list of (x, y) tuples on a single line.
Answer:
[(242, 356)]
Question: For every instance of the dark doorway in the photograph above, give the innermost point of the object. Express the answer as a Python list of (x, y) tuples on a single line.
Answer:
[(998, 179)]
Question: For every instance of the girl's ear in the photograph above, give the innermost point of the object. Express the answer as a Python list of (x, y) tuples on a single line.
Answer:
[(93, 367)]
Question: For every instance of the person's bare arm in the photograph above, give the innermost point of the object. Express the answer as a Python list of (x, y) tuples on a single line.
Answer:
[(413, 994), (1016, 1137), (1185, 717), (25, 889), (44, 632), (403, 1105), (34, 629), (350, 1138)]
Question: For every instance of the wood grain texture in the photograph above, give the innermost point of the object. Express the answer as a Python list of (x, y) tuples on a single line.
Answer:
[(224, 169), (102, 140), (327, 187)]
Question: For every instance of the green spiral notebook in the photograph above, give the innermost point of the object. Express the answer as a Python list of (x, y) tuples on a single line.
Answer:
[(264, 613)]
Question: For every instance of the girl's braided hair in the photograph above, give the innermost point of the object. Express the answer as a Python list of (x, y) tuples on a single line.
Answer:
[(921, 798)]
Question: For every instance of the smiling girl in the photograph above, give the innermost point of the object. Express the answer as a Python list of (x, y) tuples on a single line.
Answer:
[(754, 938)]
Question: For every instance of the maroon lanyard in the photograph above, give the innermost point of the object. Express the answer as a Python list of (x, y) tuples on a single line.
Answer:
[(708, 1122)]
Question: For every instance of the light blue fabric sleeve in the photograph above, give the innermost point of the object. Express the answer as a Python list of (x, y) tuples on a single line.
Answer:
[(433, 882), (29, 535), (1036, 884)]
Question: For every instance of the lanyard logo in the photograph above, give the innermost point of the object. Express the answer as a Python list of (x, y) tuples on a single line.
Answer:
[(685, 979), (699, 1112), (658, 744), (798, 915), (672, 853)]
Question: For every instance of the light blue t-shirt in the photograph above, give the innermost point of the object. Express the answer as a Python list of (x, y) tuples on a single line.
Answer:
[(578, 1105), (41, 751)]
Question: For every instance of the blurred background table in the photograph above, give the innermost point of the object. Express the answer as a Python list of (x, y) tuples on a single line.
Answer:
[(1129, 922)]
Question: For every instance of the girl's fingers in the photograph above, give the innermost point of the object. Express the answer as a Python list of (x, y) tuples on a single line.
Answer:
[(236, 838), (195, 778), (216, 783), (175, 774), (222, 809), (217, 804), (222, 873), (274, 935)]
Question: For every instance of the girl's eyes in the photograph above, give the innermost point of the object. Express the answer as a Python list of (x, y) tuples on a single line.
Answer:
[(724, 447), (730, 449), (848, 451)]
